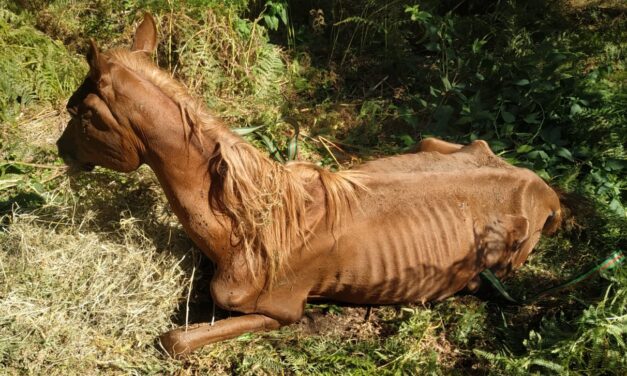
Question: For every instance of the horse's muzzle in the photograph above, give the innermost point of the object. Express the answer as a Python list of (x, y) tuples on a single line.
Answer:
[(69, 157)]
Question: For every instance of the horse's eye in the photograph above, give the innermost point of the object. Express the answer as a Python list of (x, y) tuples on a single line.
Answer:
[(85, 120)]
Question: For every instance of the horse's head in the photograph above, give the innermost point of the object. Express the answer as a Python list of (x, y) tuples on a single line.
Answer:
[(101, 131)]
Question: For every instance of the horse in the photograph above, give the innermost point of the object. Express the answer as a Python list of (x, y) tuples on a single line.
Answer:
[(408, 228)]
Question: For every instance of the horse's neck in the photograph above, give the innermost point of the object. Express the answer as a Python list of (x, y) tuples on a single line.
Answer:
[(182, 170)]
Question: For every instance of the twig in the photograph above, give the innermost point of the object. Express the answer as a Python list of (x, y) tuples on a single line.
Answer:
[(372, 89), (335, 143), (46, 113), (213, 312), (4, 273), (55, 176), (33, 165), (329, 150), (213, 301), (368, 312), (189, 294)]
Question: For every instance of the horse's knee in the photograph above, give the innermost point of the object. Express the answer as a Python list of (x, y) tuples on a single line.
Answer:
[(286, 306)]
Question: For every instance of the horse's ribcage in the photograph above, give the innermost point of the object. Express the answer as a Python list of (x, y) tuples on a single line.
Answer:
[(408, 255)]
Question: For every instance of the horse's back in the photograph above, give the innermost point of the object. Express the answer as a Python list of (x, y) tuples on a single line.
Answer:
[(474, 155)]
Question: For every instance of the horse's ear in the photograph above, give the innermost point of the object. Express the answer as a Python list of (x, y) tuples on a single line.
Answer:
[(97, 66), (146, 35)]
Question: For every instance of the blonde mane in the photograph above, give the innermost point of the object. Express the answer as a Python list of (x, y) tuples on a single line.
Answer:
[(266, 202)]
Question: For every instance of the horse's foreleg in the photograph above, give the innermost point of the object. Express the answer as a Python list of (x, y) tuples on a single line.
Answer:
[(435, 144), (183, 340)]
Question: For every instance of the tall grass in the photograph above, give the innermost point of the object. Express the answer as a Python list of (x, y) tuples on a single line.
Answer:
[(34, 69), (229, 62)]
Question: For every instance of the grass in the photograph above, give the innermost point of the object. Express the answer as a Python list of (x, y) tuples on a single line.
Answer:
[(62, 313), (93, 268)]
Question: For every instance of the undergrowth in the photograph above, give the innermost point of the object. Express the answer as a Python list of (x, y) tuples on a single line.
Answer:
[(93, 268)]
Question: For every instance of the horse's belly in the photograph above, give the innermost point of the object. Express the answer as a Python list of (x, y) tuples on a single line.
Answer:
[(418, 255)]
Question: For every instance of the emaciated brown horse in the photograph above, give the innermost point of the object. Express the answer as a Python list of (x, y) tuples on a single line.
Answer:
[(408, 228)]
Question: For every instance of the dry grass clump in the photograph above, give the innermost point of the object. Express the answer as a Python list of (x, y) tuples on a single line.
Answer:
[(228, 62), (78, 302)]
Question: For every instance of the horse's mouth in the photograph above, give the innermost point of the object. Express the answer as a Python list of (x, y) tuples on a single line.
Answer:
[(75, 167)]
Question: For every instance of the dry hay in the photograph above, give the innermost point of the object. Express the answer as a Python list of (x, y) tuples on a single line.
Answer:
[(75, 301)]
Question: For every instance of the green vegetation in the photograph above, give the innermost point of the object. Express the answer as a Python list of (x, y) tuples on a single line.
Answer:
[(94, 267)]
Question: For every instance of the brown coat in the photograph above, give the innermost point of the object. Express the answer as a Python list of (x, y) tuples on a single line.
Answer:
[(408, 228)]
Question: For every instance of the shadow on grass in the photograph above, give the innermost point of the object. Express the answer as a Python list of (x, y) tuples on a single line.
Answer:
[(26, 201)]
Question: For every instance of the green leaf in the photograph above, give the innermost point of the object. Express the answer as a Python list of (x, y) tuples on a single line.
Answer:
[(524, 149), (617, 207), (522, 82), (575, 109), (246, 130), (532, 118), (408, 115), (283, 14), (407, 140), (245, 337), (543, 174), (541, 154), (508, 117), (614, 165), (272, 22), (446, 83), (272, 149), (434, 92), (292, 148), (499, 145), (548, 364), (464, 120), (477, 44), (10, 180), (565, 153), (496, 283), (381, 355)]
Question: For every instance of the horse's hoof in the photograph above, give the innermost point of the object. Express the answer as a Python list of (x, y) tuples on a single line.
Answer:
[(473, 285)]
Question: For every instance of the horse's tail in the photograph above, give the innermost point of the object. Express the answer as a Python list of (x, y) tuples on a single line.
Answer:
[(553, 223), (554, 220)]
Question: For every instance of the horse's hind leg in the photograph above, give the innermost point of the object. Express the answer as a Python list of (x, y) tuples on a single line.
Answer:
[(184, 340), (435, 144)]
